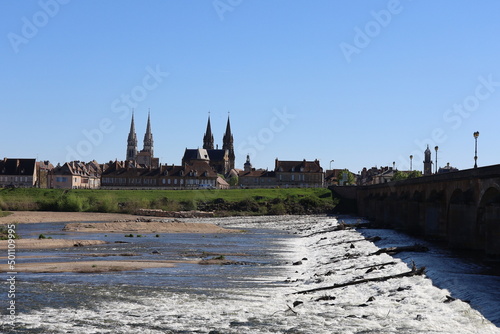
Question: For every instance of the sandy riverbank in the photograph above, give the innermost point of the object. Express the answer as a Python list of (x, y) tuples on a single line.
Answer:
[(86, 266), (54, 217), (49, 243), (112, 222), (147, 227)]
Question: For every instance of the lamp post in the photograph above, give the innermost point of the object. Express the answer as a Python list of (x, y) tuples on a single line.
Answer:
[(476, 134), (331, 163), (411, 162), (436, 148)]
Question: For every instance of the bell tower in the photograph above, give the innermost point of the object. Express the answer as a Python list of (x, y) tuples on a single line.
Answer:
[(427, 162), (132, 142)]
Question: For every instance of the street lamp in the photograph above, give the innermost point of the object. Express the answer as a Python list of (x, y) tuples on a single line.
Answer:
[(436, 148), (476, 134), (411, 161), (331, 163)]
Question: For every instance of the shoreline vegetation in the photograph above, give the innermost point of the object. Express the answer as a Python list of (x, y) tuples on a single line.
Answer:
[(231, 202)]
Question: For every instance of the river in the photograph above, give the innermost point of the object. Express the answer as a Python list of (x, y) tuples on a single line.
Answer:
[(256, 295)]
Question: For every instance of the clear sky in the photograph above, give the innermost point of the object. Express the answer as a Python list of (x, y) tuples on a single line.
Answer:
[(363, 83)]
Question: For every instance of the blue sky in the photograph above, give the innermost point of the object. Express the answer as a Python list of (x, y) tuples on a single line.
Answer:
[(363, 83)]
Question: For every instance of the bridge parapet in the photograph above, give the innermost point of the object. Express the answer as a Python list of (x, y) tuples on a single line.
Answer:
[(461, 207)]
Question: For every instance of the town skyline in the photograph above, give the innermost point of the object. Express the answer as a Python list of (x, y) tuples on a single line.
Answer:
[(362, 84)]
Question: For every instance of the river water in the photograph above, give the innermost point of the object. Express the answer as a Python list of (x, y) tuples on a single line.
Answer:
[(251, 297)]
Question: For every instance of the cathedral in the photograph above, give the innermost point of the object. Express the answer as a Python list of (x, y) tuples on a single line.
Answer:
[(145, 157), (220, 160)]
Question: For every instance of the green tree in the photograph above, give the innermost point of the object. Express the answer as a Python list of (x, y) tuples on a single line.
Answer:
[(233, 181), (346, 178), (398, 175)]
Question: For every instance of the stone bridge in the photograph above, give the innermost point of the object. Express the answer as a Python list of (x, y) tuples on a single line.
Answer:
[(461, 207)]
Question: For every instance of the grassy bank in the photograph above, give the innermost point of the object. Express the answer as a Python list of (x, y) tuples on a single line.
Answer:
[(224, 202)]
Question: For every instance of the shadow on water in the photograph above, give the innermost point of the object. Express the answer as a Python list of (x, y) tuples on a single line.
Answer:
[(464, 274)]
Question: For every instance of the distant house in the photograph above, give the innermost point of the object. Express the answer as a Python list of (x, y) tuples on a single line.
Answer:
[(198, 174), (260, 178), (375, 175), (332, 176), (304, 174), (75, 175), (447, 169), (299, 174), (20, 173)]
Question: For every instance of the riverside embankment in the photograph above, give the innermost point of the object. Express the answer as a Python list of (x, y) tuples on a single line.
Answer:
[(221, 202)]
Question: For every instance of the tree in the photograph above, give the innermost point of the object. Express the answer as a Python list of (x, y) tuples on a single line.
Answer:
[(399, 175), (346, 178), (233, 181)]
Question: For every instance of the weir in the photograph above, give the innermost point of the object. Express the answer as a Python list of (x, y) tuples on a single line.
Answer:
[(461, 207)]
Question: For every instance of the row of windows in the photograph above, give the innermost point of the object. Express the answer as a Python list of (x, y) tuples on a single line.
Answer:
[(164, 181), (14, 178)]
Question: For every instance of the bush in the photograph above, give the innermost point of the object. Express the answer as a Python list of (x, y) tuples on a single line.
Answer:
[(134, 205), (189, 205), (72, 203), (247, 205), (277, 209), (106, 204), (3, 205)]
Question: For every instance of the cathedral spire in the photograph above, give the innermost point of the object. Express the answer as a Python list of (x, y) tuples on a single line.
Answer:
[(208, 138), (227, 143), (132, 141), (148, 137)]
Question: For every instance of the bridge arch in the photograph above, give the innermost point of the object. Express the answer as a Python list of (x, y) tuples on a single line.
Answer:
[(418, 196), (488, 225), (461, 219)]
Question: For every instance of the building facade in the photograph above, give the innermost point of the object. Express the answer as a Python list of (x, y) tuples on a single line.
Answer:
[(18, 173), (194, 175), (286, 174), (75, 175)]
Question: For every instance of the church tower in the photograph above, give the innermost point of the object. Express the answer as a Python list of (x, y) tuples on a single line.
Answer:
[(148, 138), (247, 167), (132, 142), (227, 144), (208, 138), (427, 162)]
